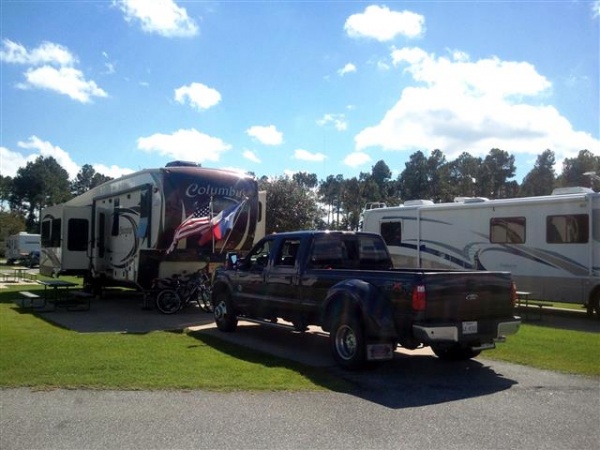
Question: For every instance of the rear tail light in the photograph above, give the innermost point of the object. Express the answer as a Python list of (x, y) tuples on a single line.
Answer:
[(419, 300)]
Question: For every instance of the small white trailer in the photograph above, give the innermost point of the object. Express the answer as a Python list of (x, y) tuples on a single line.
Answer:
[(151, 224), (20, 245), (551, 244)]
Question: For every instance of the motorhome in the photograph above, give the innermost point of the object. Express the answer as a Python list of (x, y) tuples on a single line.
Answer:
[(20, 245), (551, 244), (151, 224)]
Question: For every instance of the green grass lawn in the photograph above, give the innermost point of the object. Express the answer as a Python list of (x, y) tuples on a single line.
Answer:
[(37, 354), (565, 351)]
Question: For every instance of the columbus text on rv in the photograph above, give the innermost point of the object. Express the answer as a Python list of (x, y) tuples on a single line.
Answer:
[(551, 244), (151, 224)]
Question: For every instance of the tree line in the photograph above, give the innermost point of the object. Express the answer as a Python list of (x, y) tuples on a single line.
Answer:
[(304, 202)]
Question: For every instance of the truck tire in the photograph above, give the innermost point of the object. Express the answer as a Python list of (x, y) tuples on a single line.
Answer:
[(347, 341), (454, 353), (594, 305), (225, 317)]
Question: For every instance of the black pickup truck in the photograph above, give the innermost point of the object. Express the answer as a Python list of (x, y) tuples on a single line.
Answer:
[(344, 282)]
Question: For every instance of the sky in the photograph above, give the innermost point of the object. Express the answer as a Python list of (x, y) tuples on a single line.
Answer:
[(278, 87)]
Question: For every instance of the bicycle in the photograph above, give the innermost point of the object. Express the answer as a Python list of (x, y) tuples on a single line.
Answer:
[(178, 291)]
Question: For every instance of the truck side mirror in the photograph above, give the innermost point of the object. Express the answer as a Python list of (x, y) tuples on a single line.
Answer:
[(231, 260)]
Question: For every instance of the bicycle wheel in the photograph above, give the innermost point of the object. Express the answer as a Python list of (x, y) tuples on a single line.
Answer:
[(204, 297), (168, 301)]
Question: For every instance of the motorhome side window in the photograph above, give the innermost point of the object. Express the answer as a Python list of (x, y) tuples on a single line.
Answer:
[(77, 235), (391, 232), (50, 235), (567, 229), (507, 230)]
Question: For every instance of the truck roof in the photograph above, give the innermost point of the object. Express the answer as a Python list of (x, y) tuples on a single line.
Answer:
[(320, 232)]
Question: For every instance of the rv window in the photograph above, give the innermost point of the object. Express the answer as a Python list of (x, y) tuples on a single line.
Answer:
[(391, 233), (567, 229), (46, 232), (101, 234), (55, 233), (115, 218), (77, 235), (507, 230)]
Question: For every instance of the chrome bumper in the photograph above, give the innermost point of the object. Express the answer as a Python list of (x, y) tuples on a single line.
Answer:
[(450, 333)]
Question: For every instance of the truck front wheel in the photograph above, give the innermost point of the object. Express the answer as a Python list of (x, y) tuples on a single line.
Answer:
[(348, 343), (454, 353), (225, 317)]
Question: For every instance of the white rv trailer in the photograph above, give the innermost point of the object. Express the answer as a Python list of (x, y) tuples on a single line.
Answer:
[(151, 224), (551, 244), (20, 245)]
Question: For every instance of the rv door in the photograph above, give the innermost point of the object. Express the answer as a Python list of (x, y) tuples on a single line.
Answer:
[(65, 238)]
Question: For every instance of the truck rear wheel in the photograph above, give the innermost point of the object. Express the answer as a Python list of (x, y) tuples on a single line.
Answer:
[(347, 343), (225, 317), (454, 353)]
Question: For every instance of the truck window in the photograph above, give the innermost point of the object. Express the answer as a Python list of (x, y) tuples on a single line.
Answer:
[(329, 252), (259, 255), (372, 254), (287, 252), (567, 229), (507, 230)]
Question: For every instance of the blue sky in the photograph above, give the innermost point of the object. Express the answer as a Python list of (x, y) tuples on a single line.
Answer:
[(325, 87)]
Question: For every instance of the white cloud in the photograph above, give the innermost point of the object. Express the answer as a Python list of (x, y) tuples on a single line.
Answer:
[(198, 95), (162, 17), (382, 24), (595, 9), (46, 149), (46, 53), (64, 80), (11, 161), (338, 121), (188, 145), (462, 105), (111, 171), (51, 68), (357, 159), (305, 155), (251, 156), (267, 135), (348, 68)]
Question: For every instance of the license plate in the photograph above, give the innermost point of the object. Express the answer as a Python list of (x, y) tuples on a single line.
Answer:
[(469, 327), (378, 352)]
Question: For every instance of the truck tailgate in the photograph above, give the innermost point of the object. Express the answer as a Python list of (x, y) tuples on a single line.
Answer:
[(468, 296)]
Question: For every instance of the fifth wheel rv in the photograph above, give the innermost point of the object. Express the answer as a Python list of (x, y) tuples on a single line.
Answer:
[(551, 244), (151, 224)]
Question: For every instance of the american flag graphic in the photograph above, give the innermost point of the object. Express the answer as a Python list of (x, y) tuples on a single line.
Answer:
[(200, 223), (197, 223)]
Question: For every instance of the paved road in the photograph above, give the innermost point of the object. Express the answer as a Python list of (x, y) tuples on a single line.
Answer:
[(414, 402)]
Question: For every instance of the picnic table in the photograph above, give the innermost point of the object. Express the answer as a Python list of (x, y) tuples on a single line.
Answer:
[(58, 293)]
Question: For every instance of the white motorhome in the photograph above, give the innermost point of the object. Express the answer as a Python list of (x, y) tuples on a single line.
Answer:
[(20, 245), (551, 244), (151, 224)]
